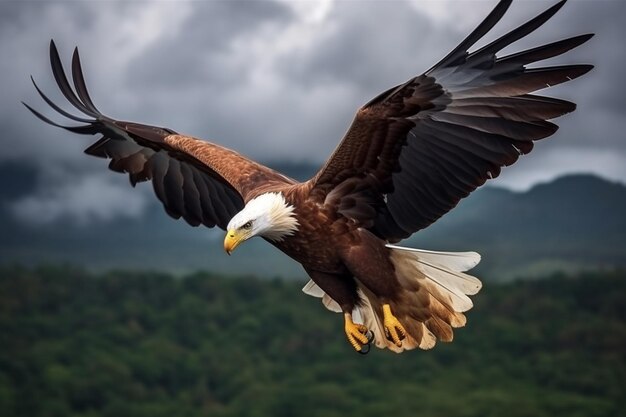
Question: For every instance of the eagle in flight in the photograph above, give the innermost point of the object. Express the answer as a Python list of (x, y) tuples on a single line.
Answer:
[(409, 156)]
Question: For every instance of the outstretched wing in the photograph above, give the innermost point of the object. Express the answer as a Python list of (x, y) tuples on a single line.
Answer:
[(415, 150), (199, 181)]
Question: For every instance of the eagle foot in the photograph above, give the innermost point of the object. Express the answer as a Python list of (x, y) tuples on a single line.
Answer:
[(358, 335), (366, 348), (394, 331)]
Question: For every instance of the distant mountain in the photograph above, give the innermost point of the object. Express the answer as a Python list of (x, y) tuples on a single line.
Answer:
[(153, 241), (576, 222)]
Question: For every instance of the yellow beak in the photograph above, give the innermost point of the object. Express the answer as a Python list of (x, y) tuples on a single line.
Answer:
[(232, 240)]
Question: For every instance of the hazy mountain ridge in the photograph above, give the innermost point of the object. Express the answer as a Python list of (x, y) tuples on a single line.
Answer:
[(575, 222)]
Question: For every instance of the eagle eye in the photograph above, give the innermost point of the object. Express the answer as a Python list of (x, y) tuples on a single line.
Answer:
[(247, 225)]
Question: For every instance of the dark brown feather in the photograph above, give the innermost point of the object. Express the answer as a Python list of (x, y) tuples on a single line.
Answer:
[(202, 182), (431, 141)]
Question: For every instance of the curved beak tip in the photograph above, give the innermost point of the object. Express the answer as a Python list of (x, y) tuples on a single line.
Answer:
[(230, 242)]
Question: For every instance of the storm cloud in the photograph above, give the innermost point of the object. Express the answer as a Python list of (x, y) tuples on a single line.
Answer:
[(275, 80)]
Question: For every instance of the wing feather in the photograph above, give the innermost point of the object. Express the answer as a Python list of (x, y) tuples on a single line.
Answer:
[(191, 196), (489, 51), (158, 165), (540, 53), (209, 218), (425, 144), (199, 181), (519, 108), (79, 83), (173, 186)]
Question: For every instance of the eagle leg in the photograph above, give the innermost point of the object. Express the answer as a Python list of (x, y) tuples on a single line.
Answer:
[(339, 293), (358, 335), (394, 330)]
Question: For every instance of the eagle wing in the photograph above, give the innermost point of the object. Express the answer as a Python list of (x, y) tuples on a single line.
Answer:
[(199, 181), (413, 152)]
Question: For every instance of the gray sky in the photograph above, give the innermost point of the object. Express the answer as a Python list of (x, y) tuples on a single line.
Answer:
[(275, 80)]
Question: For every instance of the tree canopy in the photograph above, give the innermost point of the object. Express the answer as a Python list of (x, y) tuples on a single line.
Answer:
[(149, 344)]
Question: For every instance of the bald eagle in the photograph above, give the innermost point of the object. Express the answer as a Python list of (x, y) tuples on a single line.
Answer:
[(409, 156)]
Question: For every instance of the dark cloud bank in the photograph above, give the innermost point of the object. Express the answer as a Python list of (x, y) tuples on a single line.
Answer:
[(275, 80)]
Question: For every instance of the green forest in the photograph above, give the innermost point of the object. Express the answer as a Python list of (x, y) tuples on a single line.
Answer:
[(75, 343)]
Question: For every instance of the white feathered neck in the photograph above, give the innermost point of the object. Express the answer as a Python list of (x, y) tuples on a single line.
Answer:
[(270, 215)]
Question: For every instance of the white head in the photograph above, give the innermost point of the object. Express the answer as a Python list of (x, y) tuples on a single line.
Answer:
[(267, 215)]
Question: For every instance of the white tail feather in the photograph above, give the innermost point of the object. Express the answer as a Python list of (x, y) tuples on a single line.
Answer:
[(440, 274), (456, 261)]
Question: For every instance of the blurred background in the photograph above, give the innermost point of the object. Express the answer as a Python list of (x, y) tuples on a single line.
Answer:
[(109, 307)]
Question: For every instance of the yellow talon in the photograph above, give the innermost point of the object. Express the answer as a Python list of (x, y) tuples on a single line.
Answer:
[(393, 328), (356, 333)]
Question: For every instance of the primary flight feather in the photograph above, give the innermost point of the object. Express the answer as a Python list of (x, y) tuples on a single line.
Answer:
[(409, 156)]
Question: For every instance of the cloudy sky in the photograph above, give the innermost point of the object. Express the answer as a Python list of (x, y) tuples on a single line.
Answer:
[(275, 80)]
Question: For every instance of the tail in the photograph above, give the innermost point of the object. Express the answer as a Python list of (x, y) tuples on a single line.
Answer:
[(433, 299)]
